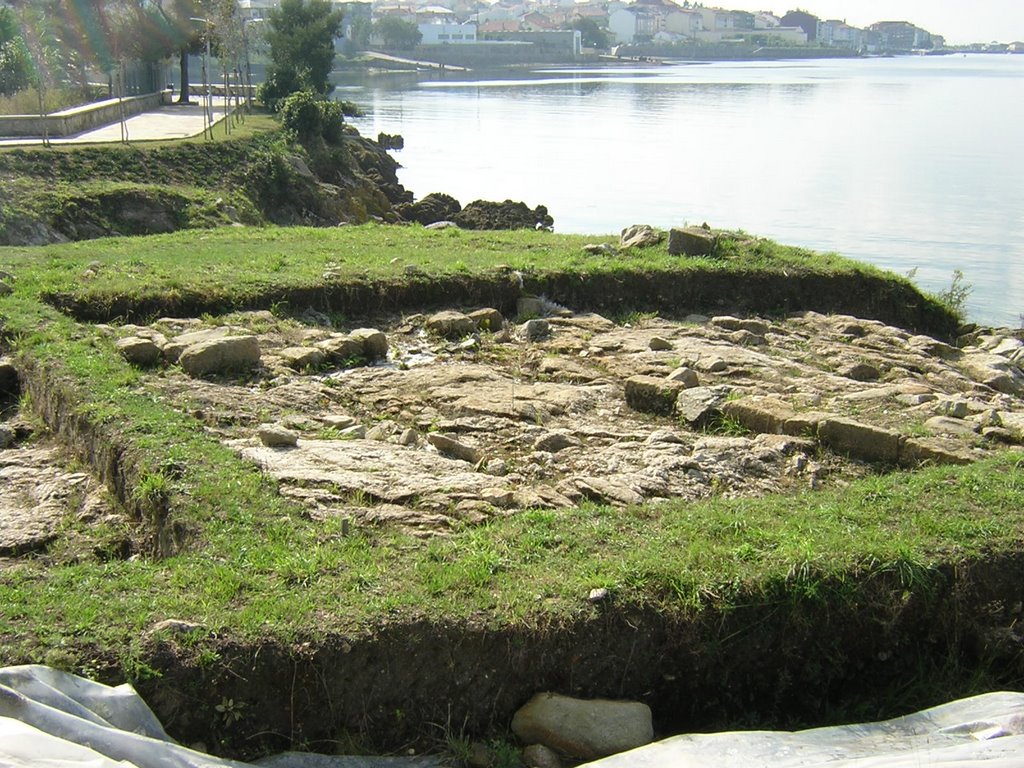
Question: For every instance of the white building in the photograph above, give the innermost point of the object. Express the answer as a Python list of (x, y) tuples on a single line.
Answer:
[(447, 34)]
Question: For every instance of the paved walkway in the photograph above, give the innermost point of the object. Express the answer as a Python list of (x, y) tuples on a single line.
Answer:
[(173, 121)]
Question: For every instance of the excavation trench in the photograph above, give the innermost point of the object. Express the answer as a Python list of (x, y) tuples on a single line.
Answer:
[(848, 648)]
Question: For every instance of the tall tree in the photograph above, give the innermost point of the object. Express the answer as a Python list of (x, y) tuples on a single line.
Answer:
[(301, 36), (397, 33)]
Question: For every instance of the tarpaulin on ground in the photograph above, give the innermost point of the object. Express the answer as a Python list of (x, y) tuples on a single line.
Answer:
[(980, 732), (54, 719)]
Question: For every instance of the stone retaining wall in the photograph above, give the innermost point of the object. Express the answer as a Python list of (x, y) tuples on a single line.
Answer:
[(68, 122)]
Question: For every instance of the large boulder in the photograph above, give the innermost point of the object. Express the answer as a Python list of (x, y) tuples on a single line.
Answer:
[(691, 241), (224, 355), (640, 236), (342, 350), (450, 324), (484, 214), (373, 342), (139, 351), (583, 729)]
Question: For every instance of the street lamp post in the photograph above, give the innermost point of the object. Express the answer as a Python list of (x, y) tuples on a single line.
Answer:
[(208, 104)]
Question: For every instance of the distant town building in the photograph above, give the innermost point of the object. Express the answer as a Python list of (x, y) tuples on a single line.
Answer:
[(840, 34), (808, 22), (901, 36)]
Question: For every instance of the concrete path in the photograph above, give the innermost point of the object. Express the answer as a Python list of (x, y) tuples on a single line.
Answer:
[(414, 62), (174, 121)]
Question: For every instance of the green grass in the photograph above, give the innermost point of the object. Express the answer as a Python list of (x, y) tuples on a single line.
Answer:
[(255, 567), (239, 264)]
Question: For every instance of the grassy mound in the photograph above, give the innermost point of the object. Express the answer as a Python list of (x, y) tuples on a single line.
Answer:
[(878, 584)]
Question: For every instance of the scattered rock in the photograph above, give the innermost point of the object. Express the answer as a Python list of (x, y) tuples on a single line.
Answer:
[(859, 371), (375, 343), (355, 432), (450, 324), (302, 358), (141, 352), (586, 730), (174, 627), (928, 450), (956, 409), (342, 350), (222, 355), (555, 442), (275, 436), (711, 364), (536, 329), (944, 425), (994, 371), (1000, 435), (691, 241), (598, 595), (338, 421), (640, 236), (530, 306), (453, 448), (650, 394), (699, 405), (658, 344), (487, 319), (685, 376), (607, 491), (600, 249), (730, 323), (409, 437)]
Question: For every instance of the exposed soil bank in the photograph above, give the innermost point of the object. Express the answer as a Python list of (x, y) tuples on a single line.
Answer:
[(838, 652), (673, 294)]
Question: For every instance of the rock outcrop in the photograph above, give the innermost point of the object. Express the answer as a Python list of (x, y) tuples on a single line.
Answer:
[(484, 214)]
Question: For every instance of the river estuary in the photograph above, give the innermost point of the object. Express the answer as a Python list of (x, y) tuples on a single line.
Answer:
[(915, 164)]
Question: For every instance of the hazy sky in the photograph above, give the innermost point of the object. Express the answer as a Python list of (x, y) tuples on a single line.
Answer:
[(959, 21)]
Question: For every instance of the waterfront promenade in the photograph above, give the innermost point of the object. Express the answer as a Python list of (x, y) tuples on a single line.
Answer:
[(171, 121)]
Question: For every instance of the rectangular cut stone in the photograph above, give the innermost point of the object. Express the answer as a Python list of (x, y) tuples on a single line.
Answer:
[(916, 451), (651, 394), (860, 440), (804, 424), (760, 414)]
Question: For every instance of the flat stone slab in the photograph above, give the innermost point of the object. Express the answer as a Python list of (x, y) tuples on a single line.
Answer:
[(370, 470), (37, 495)]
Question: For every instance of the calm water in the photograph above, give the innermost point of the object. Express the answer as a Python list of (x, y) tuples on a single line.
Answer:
[(912, 164)]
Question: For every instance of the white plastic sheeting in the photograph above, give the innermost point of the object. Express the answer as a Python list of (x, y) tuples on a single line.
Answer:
[(52, 719), (980, 732)]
